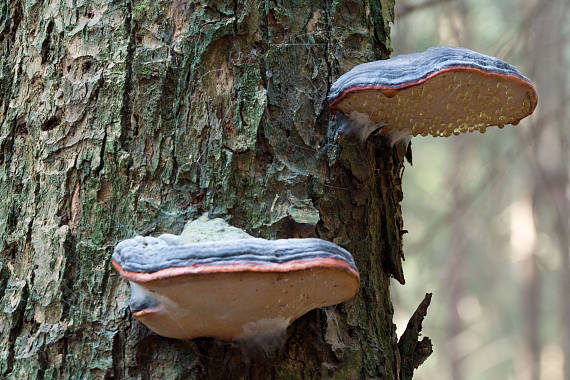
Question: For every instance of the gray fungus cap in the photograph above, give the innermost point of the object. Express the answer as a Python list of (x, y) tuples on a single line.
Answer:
[(149, 254)]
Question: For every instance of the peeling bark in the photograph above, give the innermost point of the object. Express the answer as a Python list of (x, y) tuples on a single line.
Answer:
[(414, 352)]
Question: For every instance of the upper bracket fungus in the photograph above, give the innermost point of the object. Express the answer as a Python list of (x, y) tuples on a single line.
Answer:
[(215, 280), (441, 91)]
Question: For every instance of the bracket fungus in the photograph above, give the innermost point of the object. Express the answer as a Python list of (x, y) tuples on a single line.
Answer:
[(215, 280), (441, 91)]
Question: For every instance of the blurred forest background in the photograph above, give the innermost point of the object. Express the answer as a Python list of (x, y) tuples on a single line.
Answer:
[(487, 214)]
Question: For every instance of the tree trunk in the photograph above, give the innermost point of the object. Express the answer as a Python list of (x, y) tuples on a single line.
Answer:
[(124, 118)]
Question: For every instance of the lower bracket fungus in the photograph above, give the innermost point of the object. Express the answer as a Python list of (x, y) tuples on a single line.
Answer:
[(215, 280), (441, 91)]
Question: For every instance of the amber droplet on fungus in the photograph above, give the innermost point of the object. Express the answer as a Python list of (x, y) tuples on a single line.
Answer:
[(390, 93)]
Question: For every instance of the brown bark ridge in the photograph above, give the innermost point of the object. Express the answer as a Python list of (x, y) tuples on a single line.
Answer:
[(132, 117)]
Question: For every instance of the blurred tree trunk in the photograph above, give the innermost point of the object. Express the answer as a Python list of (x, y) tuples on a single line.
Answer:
[(457, 252), (133, 117), (531, 296), (549, 143)]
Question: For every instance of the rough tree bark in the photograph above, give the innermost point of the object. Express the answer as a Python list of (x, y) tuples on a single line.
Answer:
[(124, 117)]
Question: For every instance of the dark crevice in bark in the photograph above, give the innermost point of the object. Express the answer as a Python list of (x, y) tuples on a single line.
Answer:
[(13, 20), (64, 209), (263, 154), (51, 123), (7, 146), (261, 47), (69, 277), (45, 49), (43, 363), (32, 325), (64, 347), (12, 219), (4, 277), (21, 128), (118, 356), (101, 163), (108, 269), (8, 26), (8, 254)]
